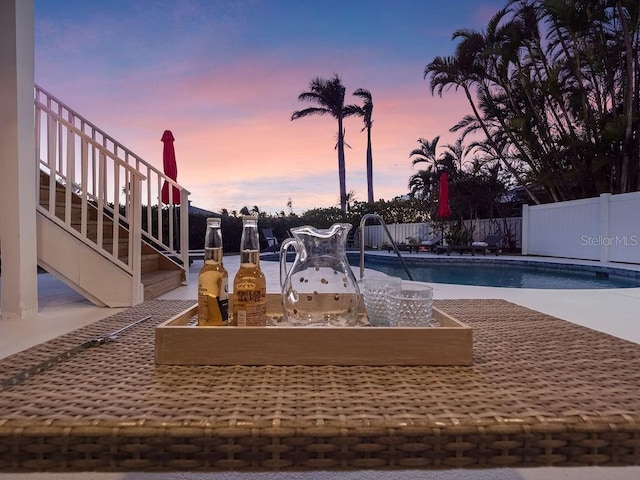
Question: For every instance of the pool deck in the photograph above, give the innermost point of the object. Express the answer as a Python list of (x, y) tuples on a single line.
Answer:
[(613, 311)]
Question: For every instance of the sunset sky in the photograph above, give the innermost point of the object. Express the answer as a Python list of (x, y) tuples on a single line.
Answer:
[(224, 77)]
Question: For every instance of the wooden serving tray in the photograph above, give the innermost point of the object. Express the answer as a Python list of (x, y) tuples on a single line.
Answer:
[(180, 342)]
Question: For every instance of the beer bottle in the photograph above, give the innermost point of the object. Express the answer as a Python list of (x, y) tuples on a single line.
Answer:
[(213, 280), (249, 284)]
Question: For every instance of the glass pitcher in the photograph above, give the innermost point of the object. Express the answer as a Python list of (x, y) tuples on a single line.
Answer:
[(320, 288)]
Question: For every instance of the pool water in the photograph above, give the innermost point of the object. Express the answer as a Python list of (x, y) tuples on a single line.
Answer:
[(505, 273)]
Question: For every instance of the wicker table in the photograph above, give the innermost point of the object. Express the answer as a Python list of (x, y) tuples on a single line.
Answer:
[(541, 392)]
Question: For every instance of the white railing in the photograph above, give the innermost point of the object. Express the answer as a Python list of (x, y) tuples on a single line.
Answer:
[(109, 179)]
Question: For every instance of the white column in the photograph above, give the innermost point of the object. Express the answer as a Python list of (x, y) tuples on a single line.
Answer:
[(18, 244)]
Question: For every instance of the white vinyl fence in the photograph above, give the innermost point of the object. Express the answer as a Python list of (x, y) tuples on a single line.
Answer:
[(374, 235), (510, 228), (604, 228)]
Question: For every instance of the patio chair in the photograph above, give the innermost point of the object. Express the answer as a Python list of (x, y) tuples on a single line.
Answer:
[(272, 242), (411, 244), (491, 243), (430, 244)]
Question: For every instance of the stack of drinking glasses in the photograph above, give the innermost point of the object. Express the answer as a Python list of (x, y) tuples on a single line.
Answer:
[(391, 301)]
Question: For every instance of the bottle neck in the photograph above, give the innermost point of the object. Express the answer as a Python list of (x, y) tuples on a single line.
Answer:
[(213, 244), (249, 244), (250, 257), (213, 255)]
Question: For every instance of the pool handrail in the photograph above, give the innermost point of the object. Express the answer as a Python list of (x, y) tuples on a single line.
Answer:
[(363, 223)]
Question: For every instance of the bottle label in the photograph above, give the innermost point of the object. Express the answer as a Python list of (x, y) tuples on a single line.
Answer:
[(213, 298), (252, 315), (251, 308), (241, 318), (250, 296)]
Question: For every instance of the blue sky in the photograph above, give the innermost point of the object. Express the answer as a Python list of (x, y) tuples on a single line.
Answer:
[(224, 77)]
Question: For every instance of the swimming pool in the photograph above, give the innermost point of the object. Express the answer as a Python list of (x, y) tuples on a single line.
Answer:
[(503, 273)]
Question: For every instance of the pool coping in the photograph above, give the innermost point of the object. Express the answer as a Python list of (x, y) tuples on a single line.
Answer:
[(623, 272)]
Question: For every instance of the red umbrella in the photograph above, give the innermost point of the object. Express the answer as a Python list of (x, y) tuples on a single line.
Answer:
[(170, 168), (443, 197)]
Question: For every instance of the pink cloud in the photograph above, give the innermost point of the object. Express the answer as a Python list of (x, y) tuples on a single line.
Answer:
[(236, 144)]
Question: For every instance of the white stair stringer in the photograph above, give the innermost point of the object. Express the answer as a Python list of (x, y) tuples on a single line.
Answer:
[(103, 225), (83, 268)]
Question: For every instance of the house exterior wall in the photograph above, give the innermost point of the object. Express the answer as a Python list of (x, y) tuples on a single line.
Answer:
[(19, 295)]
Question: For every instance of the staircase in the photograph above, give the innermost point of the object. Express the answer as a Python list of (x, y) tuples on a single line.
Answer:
[(101, 227)]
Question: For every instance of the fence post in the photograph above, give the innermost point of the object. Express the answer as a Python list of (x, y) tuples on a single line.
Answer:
[(604, 227), (525, 230)]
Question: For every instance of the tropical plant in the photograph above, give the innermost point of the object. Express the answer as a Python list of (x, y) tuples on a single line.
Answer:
[(324, 217), (465, 70), (421, 184), (453, 157), (475, 188), (554, 88), (426, 153), (329, 95), (397, 210), (365, 111), (351, 199), (458, 234)]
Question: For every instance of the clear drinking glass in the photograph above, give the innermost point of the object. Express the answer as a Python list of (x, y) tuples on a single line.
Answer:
[(410, 304), (374, 290)]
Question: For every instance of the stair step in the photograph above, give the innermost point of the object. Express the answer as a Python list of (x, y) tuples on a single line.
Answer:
[(150, 263), (156, 281), (60, 195), (160, 282), (76, 212), (92, 228)]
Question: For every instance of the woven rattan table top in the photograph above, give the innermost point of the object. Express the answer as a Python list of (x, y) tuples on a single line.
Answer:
[(542, 391)]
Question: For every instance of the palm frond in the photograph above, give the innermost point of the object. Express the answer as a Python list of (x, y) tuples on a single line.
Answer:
[(310, 111)]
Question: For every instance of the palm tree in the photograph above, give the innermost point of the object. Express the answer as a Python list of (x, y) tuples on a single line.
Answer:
[(453, 157), (554, 86), (329, 95), (351, 199), (465, 69), (422, 184), (365, 112), (426, 153)]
